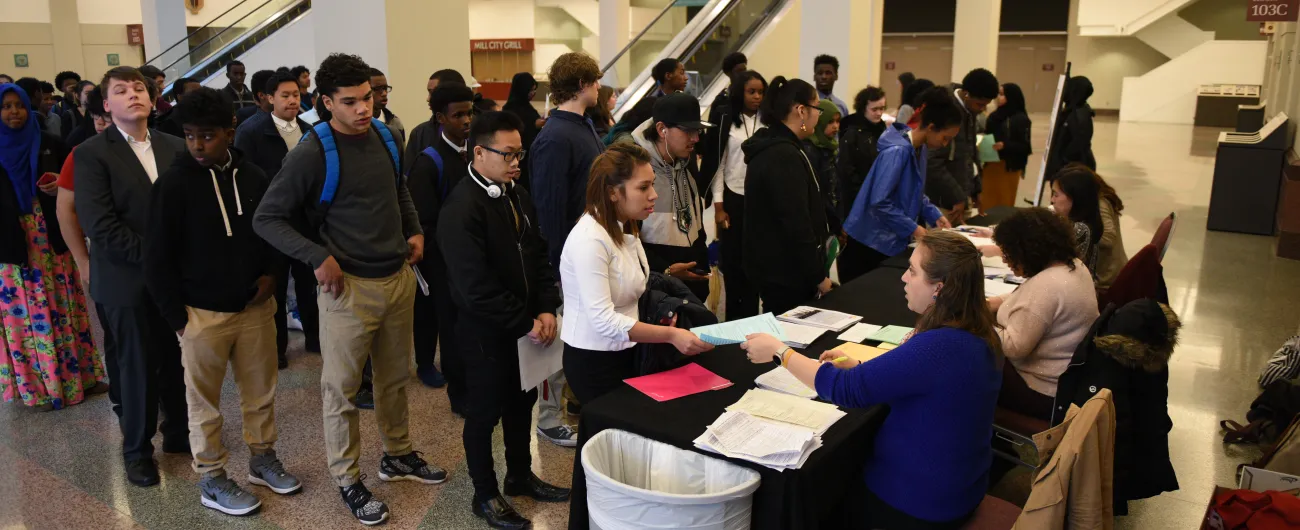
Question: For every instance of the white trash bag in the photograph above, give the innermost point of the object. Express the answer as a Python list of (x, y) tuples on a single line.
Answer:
[(634, 482)]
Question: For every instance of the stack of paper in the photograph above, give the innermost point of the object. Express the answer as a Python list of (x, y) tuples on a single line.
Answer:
[(768, 443), (997, 288), (781, 380), (799, 335), (995, 265), (817, 317), (859, 332), (785, 408), (735, 331), (891, 334)]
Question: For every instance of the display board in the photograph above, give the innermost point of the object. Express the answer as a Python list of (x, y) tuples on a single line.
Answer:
[(1051, 132)]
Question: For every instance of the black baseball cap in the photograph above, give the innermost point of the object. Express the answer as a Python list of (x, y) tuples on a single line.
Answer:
[(680, 110)]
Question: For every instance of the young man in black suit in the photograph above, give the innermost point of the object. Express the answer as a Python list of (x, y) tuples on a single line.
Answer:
[(115, 175), (265, 139)]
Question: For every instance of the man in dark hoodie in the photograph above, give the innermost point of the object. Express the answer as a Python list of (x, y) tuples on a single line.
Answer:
[(951, 180), (213, 279), (1072, 141)]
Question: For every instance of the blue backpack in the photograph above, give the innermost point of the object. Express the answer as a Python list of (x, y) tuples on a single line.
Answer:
[(437, 161), (329, 149)]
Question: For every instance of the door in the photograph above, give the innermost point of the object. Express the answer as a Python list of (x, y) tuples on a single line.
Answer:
[(927, 57), (1034, 63)]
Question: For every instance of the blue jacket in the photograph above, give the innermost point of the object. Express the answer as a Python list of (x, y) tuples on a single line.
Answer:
[(932, 455), (892, 196), (559, 163)]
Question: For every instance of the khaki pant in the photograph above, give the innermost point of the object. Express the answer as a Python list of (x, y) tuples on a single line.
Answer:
[(246, 342), (372, 318)]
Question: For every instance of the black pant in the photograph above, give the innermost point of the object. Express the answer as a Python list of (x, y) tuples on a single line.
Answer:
[(857, 259), (1017, 396), (110, 359), (779, 298), (863, 509), (148, 376), (492, 373), (435, 319), (742, 297), (592, 373), (304, 287)]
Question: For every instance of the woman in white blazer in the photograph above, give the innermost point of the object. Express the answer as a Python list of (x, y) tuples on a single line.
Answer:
[(603, 272)]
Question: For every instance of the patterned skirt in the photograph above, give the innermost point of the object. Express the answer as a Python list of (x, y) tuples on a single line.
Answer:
[(49, 355)]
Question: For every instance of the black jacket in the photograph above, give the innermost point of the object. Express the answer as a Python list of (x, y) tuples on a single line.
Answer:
[(189, 257), (69, 120), (1013, 132), (429, 189), (823, 163), (1072, 141), (858, 151), (1127, 350), (712, 145), (261, 144), (950, 176), (13, 239), (499, 276), (785, 217)]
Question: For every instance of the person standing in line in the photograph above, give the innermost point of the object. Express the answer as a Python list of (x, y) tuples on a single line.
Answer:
[(1010, 126), (859, 134), (50, 118), (674, 233), (49, 360), (165, 122), (213, 281), (910, 112), (826, 71), (883, 217), (379, 83), (365, 235), (437, 171), (1073, 137), (303, 75), (506, 291), (558, 170), (86, 126), (159, 79), (265, 140), (822, 149), (32, 87), (263, 103), (66, 205), (951, 181), (70, 112), (236, 92), (602, 114), (116, 171), (785, 217), (728, 193), (426, 134), (523, 88), (670, 77), (734, 64)]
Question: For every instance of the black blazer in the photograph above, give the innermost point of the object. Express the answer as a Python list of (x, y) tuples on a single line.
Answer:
[(112, 203), (261, 143)]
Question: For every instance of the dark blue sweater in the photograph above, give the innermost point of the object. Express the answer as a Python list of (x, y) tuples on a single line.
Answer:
[(559, 165), (933, 452)]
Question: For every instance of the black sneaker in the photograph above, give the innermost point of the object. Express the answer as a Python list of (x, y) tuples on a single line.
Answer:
[(365, 399), (365, 507), (410, 467)]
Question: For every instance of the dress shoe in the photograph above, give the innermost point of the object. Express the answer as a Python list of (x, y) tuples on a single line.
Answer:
[(535, 488), (176, 447), (500, 514), (142, 472), (282, 361)]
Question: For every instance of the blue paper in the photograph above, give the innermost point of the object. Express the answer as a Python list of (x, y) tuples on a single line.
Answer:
[(735, 331)]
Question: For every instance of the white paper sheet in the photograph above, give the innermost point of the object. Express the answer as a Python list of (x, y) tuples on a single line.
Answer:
[(997, 288), (799, 335), (537, 362), (781, 380), (419, 279), (742, 433), (819, 317), (859, 332), (789, 409)]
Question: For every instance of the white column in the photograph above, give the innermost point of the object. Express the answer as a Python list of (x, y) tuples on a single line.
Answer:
[(615, 32), (164, 25), (65, 27), (851, 31), (975, 37)]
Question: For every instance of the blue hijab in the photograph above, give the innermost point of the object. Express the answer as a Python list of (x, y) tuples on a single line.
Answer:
[(19, 149)]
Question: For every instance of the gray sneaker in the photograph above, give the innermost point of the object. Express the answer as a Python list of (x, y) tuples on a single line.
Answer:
[(223, 495), (266, 470)]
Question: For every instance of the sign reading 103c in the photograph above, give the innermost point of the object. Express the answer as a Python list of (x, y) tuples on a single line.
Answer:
[(1272, 10)]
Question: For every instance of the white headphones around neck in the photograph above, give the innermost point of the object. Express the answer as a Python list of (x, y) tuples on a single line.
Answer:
[(493, 190)]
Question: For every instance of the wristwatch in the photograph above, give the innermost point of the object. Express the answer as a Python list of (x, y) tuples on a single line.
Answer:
[(780, 355)]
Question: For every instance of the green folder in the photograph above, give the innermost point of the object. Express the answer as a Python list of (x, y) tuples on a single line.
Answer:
[(987, 153)]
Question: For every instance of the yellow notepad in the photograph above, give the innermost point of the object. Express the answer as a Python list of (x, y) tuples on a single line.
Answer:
[(860, 352)]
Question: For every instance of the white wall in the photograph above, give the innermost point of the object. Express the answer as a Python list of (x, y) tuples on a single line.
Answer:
[(290, 46), (1168, 93), (37, 11), (502, 19), (1106, 61)]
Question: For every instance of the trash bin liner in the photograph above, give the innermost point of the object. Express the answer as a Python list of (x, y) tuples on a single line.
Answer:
[(636, 482)]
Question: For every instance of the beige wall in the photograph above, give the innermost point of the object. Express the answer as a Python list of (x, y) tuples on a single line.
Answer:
[(1226, 18), (409, 66), (35, 40), (1106, 61), (99, 40), (778, 54)]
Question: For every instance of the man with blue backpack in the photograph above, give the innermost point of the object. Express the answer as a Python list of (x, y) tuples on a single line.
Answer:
[(344, 180), (436, 170)]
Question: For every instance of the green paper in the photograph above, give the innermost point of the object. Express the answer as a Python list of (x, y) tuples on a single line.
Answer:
[(891, 334), (987, 153)]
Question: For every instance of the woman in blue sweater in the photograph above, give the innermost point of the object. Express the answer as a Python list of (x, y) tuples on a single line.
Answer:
[(931, 460)]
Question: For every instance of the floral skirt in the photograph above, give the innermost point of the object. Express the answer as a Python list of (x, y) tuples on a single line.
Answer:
[(49, 355)]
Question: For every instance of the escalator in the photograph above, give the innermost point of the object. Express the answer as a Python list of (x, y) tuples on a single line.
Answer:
[(206, 50), (708, 34)]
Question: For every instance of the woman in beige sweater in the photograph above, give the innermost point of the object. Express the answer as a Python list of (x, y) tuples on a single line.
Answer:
[(1045, 318)]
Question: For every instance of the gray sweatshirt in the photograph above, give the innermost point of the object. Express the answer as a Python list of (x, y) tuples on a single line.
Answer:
[(365, 228)]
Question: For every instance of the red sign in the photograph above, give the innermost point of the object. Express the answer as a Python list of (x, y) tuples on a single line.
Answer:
[(1272, 10), (889, 65), (501, 45), (1049, 67), (135, 34)]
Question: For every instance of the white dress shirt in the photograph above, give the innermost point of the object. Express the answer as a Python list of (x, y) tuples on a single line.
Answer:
[(732, 167), (288, 130), (144, 151), (602, 287)]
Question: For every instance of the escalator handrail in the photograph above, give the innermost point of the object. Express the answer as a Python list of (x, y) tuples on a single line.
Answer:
[(700, 25), (638, 36), (251, 31), (223, 32), (192, 33)]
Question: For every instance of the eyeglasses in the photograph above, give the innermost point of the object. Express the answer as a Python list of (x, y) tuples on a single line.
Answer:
[(818, 109), (383, 88), (515, 156)]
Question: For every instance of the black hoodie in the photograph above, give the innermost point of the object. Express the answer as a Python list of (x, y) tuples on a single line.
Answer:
[(193, 255), (1072, 141), (785, 218)]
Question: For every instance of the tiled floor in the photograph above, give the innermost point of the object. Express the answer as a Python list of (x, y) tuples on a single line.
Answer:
[(62, 470)]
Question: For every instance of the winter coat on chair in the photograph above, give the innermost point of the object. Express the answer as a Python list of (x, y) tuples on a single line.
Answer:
[(1127, 351)]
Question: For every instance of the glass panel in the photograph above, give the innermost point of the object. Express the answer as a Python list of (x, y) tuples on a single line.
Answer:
[(223, 30)]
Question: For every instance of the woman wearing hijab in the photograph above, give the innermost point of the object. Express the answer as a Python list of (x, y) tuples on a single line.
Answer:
[(44, 328), (1010, 126), (1073, 136), (822, 149), (520, 103)]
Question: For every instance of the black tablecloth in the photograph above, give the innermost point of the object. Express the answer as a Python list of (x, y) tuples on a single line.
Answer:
[(804, 498)]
